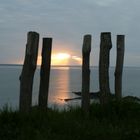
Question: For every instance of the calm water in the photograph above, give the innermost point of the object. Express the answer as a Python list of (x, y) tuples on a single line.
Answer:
[(63, 81)]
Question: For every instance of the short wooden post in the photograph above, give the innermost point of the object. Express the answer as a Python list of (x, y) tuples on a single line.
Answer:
[(105, 46), (45, 72), (27, 75), (86, 74), (119, 65)]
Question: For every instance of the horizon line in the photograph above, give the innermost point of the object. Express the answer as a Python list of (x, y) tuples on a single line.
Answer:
[(6, 64)]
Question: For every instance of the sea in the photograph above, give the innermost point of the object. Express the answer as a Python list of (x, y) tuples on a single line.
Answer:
[(63, 82)]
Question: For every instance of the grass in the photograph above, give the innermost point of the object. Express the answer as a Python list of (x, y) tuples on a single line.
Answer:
[(117, 121)]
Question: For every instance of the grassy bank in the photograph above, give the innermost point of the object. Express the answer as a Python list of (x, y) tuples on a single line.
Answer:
[(118, 121)]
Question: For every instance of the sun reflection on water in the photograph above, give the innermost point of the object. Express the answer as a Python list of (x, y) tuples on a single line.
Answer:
[(59, 86)]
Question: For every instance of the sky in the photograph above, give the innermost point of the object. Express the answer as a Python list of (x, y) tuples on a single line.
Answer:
[(67, 21)]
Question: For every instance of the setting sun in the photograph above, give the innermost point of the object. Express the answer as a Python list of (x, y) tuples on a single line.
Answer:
[(63, 59), (61, 56), (60, 59)]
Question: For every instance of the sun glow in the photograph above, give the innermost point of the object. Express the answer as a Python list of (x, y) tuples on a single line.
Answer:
[(60, 59), (61, 56), (63, 59)]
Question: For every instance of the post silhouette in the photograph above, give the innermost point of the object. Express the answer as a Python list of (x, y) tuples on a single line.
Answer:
[(28, 70), (105, 46), (45, 72), (119, 65), (86, 74)]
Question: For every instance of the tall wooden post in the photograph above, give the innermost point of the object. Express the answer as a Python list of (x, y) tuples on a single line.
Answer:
[(86, 74), (105, 46), (27, 75), (119, 65), (45, 72)]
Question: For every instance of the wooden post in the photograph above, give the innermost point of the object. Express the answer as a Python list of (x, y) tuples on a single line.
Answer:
[(105, 47), (45, 72), (119, 65), (86, 74), (27, 75)]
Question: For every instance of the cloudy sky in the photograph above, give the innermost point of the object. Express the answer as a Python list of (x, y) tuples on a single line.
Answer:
[(67, 21)]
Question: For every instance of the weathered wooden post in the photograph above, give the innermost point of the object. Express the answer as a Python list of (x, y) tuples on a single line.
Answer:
[(86, 74), (27, 75), (119, 65), (45, 72), (105, 46)]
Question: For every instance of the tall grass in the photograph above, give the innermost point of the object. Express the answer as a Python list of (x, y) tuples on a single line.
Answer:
[(117, 121)]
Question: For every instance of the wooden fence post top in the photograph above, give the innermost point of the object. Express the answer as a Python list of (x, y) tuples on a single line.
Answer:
[(33, 32), (87, 44), (121, 35), (106, 39), (49, 38), (104, 33), (120, 39), (46, 42), (32, 36), (31, 50)]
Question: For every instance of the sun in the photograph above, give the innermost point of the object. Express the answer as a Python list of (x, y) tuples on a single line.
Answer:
[(60, 56), (63, 59), (60, 59)]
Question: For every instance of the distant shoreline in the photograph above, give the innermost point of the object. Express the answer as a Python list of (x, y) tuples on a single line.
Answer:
[(78, 66), (11, 65), (39, 65)]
